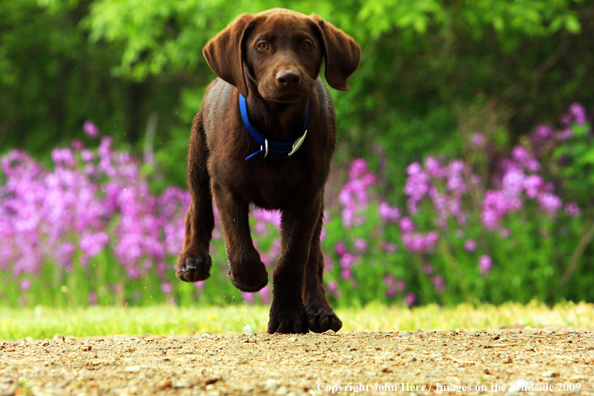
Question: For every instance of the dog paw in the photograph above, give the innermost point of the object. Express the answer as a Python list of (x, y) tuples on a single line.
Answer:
[(320, 320), (287, 321), (249, 278), (193, 269)]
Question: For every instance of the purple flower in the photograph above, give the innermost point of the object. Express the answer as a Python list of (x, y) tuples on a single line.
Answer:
[(359, 168), (347, 260), (496, 204), (513, 182), (133, 273), (92, 298), (346, 273), (332, 286), (268, 216), (413, 168), (542, 134), (576, 114), (91, 129), (419, 243), (25, 285), (388, 213), (478, 139), (389, 280), (87, 155), (533, 184), (388, 247), (572, 209), (340, 248), (521, 157), (391, 284), (354, 196), (549, 202), (433, 166), (264, 294), (77, 145), (406, 225), (565, 134), (438, 283), (456, 183), (93, 243), (417, 186), (199, 285), (63, 157), (260, 228), (469, 245), (248, 297), (485, 264), (166, 288), (361, 244), (410, 299)]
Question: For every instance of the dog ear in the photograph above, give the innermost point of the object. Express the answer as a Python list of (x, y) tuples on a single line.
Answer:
[(223, 53), (341, 51)]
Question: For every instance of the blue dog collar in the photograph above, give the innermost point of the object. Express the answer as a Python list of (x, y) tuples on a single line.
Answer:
[(268, 145)]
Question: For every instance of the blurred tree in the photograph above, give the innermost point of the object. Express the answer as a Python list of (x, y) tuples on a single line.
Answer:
[(427, 68), (52, 79)]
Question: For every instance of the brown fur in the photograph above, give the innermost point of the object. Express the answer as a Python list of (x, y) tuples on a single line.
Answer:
[(277, 79)]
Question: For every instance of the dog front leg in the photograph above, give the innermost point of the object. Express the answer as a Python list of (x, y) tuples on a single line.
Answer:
[(287, 313), (194, 263), (247, 273)]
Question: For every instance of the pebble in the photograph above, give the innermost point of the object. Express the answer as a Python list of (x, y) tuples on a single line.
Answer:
[(181, 384), (271, 384)]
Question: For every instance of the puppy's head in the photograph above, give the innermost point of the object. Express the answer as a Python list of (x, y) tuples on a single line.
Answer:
[(281, 52)]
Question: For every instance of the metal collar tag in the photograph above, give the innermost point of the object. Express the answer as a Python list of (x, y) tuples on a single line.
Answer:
[(297, 144)]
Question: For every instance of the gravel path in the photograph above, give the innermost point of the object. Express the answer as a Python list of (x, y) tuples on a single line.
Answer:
[(422, 362)]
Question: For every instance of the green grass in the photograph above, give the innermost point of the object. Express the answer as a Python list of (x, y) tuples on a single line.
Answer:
[(45, 322)]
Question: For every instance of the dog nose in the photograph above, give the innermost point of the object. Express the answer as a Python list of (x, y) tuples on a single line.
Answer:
[(287, 78)]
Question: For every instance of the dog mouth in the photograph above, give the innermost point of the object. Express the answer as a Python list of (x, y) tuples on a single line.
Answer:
[(290, 94), (288, 97)]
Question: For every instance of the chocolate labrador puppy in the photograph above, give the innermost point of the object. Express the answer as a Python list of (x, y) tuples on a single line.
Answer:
[(264, 135)]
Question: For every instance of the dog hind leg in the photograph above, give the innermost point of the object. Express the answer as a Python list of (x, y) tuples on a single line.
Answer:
[(319, 313)]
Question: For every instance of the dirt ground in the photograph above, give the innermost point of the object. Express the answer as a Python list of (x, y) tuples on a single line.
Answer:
[(522, 361)]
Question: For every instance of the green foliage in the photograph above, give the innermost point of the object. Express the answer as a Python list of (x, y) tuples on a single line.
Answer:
[(116, 62)]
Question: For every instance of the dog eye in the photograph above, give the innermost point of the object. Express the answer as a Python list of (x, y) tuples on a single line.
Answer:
[(263, 46), (305, 45)]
